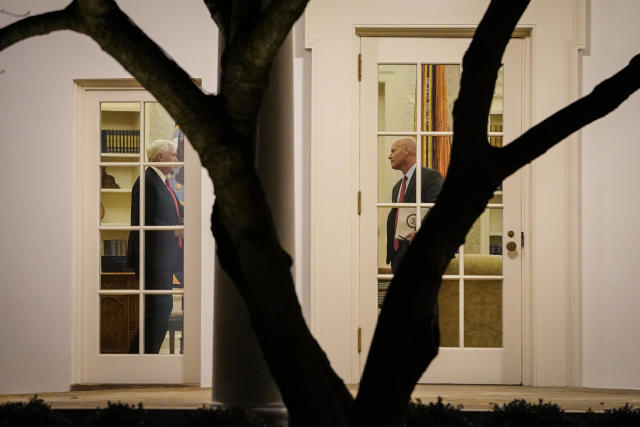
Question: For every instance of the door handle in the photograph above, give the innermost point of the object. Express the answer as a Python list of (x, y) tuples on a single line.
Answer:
[(511, 246)]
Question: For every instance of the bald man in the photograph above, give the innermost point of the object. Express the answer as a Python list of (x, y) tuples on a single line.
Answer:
[(403, 158)]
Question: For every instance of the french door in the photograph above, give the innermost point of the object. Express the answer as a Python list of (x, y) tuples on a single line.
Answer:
[(138, 274), (407, 90)]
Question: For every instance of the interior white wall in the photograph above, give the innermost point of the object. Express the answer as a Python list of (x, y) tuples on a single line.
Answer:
[(610, 206), (37, 221)]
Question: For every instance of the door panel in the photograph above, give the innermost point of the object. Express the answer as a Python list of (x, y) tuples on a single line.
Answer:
[(138, 269), (408, 89)]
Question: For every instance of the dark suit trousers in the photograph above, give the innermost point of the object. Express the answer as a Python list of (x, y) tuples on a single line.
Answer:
[(157, 311)]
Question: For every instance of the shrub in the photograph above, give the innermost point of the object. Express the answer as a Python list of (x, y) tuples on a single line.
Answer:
[(436, 415), (119, 415), (34, 413), (224, 417), (519, 413), (624, 416)]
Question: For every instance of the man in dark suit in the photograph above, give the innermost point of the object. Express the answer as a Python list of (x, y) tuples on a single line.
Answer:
[(403, 158), (163, 249)]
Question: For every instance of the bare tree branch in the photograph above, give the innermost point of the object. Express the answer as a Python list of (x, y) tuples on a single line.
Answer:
[(16, 15), (37, 25), (220, 11), (604, 98), (247, 61), (480, 69), (152, 67), (407, 335)]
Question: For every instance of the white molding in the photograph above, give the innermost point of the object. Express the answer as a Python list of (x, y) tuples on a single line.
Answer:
[(329, 28), (192, 362), (355, 221), (574, 213), (77, 366), (430, 31), (317, 268), (528, 200)]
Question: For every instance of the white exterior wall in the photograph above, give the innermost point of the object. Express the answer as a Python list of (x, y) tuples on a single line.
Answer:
[(36, 118), (610, 206), (37, 220)]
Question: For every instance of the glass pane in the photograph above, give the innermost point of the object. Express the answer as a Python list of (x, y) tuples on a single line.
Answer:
[(449, 306), (483, 245), (117, 269), (495, 113), (436, 153), (396, 155), (483, 313), (440, 87), (119, 131), (118, 324), (383, 286), (495, 141), (396, 98), (164, 324), (160, 126), (396, 227), (454, 266), (164, 259), (116, 194)]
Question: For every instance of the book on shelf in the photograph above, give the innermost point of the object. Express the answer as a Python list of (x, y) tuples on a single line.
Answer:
[(113, 247), (114, 259), (120, 141)]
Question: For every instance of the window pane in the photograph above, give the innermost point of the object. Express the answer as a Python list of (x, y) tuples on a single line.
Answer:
[(164, 324), (396, 98), (483, 313), (383, 287), (118, 324), (483, 245), (116, 194), (389, 170), (396, 227), (117, 269), (449, 306), (440, 87), (119, 131), (164, 259), (160, 126), (454, 266), (497, 108)]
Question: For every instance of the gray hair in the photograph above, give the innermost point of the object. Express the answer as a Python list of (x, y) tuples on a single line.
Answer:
[(158, 146)]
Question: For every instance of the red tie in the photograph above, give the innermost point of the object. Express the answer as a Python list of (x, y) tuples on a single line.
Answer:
[(175, 202), (403, 187)]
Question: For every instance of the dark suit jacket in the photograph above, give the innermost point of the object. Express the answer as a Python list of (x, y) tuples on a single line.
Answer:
[(162, 252), (431, 185)]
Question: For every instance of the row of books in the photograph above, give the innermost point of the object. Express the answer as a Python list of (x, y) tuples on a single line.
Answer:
[(120, 141), (115, 247)]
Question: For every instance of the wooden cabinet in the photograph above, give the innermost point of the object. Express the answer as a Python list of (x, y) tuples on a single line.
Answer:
[(119, 314)]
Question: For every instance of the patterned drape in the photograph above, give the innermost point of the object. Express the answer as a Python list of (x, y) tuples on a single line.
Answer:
[(436, 150)]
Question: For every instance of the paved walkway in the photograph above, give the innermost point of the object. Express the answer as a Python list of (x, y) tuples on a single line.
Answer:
[(472, 397)]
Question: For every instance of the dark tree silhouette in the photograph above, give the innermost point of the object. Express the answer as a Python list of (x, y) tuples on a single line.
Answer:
[(222, 129)]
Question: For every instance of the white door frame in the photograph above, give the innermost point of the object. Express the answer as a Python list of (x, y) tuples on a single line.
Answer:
[(551, 354), (191, 358), (500, 366)]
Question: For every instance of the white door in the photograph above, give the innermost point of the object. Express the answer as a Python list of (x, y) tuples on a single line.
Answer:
[(408, 88), (138, 275)]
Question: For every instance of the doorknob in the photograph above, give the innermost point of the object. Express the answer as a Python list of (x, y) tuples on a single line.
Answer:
[(511, 246)]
